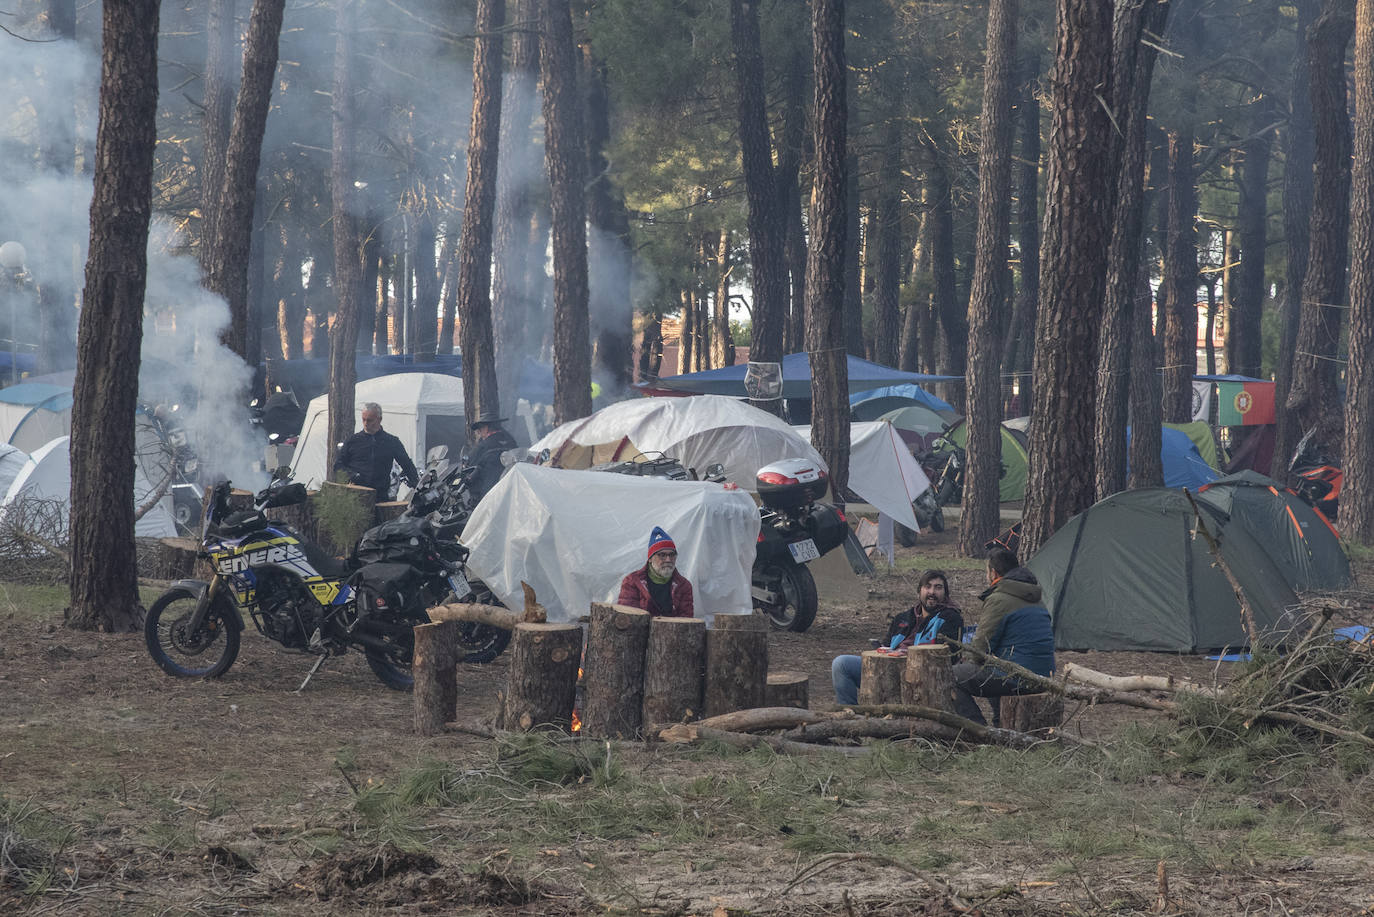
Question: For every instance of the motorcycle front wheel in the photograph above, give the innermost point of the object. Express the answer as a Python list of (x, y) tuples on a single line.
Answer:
[(797, 609), (207, 653)]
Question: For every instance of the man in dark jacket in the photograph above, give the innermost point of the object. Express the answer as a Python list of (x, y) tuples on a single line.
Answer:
[(1013, 626), (931, 618), (368, 454), (658, 587), (492, 440)]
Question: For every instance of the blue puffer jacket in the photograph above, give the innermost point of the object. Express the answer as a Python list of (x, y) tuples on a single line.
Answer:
[(1014, 625)]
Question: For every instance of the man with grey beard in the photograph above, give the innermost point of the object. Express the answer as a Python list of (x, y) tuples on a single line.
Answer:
[(658, 587)]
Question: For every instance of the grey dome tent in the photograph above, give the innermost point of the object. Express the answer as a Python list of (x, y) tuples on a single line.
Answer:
[(1129, 573), (1300, 540)]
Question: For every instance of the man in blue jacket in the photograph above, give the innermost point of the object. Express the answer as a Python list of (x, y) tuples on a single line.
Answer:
[(1013, 626)]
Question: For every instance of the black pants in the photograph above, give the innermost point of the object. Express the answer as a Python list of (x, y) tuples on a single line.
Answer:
[(972, 680)]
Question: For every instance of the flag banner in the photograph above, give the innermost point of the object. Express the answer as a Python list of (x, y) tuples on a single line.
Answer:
[(1245, 403), (1202, 400)]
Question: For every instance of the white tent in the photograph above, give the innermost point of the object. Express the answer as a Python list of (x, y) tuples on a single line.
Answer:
[(34, 413), (12, 461), (422, 410), (573, 535), (882, 471), (47, 475), (697, 431)]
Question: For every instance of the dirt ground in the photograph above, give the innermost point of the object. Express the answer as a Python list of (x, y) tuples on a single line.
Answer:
[(224, 797)]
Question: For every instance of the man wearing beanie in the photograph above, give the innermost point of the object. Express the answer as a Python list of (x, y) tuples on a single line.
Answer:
[(657, 587)]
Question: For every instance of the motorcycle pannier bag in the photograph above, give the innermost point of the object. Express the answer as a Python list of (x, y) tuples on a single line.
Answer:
[(826, 527), (383, 587), (392, 541)]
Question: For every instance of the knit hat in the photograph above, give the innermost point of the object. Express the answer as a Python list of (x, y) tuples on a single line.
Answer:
[(659, 541)]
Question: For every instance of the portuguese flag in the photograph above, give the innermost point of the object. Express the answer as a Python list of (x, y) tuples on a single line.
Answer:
[(1245, 403)]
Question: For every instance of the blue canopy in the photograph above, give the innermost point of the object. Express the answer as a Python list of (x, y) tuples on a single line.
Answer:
[(796, 378), (914, 392), (1184, 466)]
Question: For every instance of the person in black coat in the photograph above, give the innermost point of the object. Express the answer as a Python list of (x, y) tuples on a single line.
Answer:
[(492, 440), (367, 455)]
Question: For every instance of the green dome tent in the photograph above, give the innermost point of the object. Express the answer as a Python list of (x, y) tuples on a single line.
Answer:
[(917, 424), (1130, 573), (1014, 457), (1301, 542)]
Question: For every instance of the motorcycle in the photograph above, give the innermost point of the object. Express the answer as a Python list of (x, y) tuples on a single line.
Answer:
[(929, 515), (1316, 477), (299, 596), (946, 471)]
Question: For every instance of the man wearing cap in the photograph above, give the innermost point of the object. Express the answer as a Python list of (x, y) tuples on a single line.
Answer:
[(492, 440), (658, 587)]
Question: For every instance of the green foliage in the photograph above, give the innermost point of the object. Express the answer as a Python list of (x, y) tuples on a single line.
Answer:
[(339, 515)]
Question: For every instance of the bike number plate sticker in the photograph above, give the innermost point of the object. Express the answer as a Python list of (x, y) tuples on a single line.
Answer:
[(459, 584), (804, 550)]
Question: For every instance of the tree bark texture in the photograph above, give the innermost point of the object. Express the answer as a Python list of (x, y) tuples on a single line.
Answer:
[(888, 268), (514, 299), (1313, 400), (612, 311), (226, 262), (910, 359), (1133, 62), (104, 574), (825, 257), (348, 273), (980, 519), (613, 672), (1032, 712), (565, 155), (542, 685), (1019, 353), (1078, 213), (425, 309), (674, 668), (880, 678), (1298, 153), (448, 289), (736, 663), (221, 33), (1180, 281), (766, 224), (434, 667), (790, 155), (787, 689), (479, 207), (1357, 493), (928, 677), (1147, 465), (722, 349), (952, 314), (1243, 337)]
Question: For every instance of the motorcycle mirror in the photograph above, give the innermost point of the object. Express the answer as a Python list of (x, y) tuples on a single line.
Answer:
[(254, 403), (273, 437), (436, 455), (544, 456), (714, 469)]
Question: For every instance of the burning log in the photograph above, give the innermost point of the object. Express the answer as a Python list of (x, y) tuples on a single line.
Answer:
[(542, 686)]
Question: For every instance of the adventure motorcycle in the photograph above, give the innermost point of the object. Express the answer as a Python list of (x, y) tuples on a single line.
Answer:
[(299, 596), (1316, 477), (944, 465), (929, 515)]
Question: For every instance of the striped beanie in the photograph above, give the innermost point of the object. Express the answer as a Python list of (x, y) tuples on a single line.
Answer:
[(659, 541)]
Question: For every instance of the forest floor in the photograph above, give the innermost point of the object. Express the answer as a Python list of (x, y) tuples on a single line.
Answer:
[(123, 791)]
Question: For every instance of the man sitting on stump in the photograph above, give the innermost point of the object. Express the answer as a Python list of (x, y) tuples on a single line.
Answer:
[(1013, 626), (931, 618), (658, 587)]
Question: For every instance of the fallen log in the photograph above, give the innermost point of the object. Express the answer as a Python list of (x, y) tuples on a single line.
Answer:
[(688, 733), (978, 732), (758, 718), (868, 727), (1076, 691), (1165, 684), (471, 612)]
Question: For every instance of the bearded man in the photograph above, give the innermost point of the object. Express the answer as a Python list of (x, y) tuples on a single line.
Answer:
[(658, 587)]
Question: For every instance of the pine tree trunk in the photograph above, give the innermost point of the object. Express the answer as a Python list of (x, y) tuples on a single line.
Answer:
[(611, 303), (542, 685), (1078, 215), (1019, 353), (1180, 281), (951, 314), (1357, 494), (474, 248), (427, 279), (888, 279), (825, 258), (372, 269), (448, 289), (910, 359), (58, 288), (1243, 333), (853, 290), (1313, 400), (104, 575), (221, 32), (721, 350), (981, 520), (790, 157), (343, 370), (564, 154)]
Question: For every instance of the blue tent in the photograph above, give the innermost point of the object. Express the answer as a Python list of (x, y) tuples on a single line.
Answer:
[(1184, 466), (796, 378), (908, 390)]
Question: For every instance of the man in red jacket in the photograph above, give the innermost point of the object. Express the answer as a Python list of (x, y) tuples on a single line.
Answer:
[(657, 587)]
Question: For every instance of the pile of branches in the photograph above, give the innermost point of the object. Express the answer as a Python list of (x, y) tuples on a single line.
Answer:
[(33, 541)]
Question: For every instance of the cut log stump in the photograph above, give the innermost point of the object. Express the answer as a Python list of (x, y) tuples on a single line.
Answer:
[(787, 689), (434, 667), (880, 678), (674, 665), (543, 677), (387, 510), (928, 679), (736, 663), (613, 676), (1032, 712)]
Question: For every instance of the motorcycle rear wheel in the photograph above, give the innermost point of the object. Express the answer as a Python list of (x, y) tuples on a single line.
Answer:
[(216, 644), (937, 521), (481, 642), (797, 610)]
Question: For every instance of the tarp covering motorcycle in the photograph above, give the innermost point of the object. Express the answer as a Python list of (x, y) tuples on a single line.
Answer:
[(697, 431), (573, 535)]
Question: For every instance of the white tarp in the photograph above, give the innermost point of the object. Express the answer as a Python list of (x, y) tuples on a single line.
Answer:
[(573, 535), (697, 431), (47, 475), (882, 471)]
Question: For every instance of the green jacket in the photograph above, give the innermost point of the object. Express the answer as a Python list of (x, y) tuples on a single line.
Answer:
[(1014, 625)]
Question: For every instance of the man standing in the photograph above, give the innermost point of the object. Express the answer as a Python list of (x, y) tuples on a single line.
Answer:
[(492, 440), (658, 587), (367, 455), (1013, 626), (931, 618)]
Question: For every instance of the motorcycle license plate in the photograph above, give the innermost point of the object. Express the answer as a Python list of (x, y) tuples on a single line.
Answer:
[(459, 584), (804, 550)]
